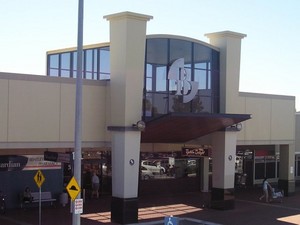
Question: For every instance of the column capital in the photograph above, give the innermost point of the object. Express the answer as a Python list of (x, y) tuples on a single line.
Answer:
[(128, 15), (225, 34)]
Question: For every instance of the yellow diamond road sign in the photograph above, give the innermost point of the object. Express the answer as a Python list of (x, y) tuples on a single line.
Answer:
[(73, 188), (39, 178)]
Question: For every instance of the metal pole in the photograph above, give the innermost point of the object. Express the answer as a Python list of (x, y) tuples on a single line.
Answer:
[(40, 206), (78, 112)]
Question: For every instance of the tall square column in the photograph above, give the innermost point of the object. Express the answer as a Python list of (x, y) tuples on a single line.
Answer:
[(229, 44), (286, 180), (223, 168), (127, 58)]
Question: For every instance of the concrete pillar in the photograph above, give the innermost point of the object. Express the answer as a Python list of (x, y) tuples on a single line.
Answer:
[(204, 174), (286, 180), (229, 44), (127, 57), (223, 169)]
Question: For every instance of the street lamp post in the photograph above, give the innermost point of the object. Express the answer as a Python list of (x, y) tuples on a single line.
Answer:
[(78, 110)]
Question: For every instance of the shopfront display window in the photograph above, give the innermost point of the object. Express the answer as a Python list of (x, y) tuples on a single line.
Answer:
[(166, 166), (266, 164)]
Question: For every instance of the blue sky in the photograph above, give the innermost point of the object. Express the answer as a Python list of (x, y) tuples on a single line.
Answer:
[(270, 52)]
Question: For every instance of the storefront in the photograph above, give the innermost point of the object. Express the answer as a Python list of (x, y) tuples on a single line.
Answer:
[(258, 162), (18, 171), (186, 94)]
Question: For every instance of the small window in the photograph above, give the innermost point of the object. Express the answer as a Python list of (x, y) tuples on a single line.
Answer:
[(53, 65)]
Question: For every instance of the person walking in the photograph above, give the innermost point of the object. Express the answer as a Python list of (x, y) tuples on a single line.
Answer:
[(266, 186), (95, 185)]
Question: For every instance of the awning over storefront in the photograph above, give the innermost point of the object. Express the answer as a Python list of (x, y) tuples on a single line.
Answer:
[(178, 127)]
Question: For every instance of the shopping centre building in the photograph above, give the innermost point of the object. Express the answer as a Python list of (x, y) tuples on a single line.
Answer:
[(161, 114)]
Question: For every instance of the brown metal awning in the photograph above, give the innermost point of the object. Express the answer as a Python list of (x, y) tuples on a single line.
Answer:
[(178, 127)]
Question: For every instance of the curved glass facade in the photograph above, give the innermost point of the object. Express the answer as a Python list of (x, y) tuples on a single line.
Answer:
[(165, 93)]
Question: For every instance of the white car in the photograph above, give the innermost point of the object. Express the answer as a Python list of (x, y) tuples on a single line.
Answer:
[(146, 174), (155, 168)]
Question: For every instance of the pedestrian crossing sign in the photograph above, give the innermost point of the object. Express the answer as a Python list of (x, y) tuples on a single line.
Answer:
[(39, 178)]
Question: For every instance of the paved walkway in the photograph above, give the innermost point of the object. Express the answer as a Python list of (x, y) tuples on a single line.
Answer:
[(248, 211)]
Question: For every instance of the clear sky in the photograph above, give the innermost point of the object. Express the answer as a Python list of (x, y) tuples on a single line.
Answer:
[(270, 52)]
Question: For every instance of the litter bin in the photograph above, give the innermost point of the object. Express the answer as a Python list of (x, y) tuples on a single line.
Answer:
[(63, 199)]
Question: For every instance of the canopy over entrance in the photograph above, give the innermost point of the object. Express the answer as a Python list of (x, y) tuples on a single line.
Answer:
[(179, 127)]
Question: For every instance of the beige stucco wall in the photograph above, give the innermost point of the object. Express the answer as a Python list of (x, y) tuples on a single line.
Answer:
[(297, 142), (37, 109), (273, 119)]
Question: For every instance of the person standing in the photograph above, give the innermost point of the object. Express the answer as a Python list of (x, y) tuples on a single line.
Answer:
[(266, 187), (27, 195), (95, 185)]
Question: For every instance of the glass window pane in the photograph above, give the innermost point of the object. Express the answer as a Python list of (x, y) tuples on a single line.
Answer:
[(202, 104), (149, 81), (149, 84), (208, 80), (95, 65), (88, 63), (215, 63), (259, 170), (54, 65), (161, 82), (173, 86), (181, 49), (200, 77), (176, 104), (159, 103), (202, 54), (202, 65), (65, 62), (104, 63), (74, 64), (149, 110), (157, 51)]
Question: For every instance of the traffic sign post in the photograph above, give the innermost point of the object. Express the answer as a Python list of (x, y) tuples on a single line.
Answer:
[(39, 180), (73, 188)]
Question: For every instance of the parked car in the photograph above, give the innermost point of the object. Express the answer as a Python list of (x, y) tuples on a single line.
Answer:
[(146, 174), (155, 168)]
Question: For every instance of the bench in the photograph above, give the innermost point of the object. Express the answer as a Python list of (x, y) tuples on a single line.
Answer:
[(46, 196)]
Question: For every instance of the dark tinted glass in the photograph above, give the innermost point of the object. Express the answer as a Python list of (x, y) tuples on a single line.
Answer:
[(200, 74), (181, 49), (157, 51)]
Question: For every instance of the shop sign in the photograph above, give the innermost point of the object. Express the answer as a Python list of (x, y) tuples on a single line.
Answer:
[(195, 152), (26, 162), (57, 157)]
